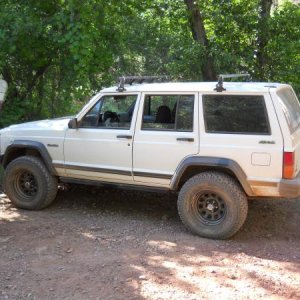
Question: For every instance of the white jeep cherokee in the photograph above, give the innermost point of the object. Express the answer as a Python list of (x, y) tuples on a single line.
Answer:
[(216, 145)]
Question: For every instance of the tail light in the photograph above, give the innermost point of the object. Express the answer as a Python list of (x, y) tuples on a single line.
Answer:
[(288, 165)]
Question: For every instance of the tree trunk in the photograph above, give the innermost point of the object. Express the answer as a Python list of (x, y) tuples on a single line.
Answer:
[(12, 92), (263, 37), (199, 35)]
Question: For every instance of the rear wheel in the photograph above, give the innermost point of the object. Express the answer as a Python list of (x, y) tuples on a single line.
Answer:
[(28, 183), (212, 205)]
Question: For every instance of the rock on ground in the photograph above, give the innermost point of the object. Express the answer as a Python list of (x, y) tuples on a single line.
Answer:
[(112, 244)]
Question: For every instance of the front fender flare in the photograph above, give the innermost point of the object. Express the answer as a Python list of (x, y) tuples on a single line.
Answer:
[(26, 144)]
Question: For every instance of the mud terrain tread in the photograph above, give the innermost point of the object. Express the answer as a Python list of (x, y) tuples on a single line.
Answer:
[(49, 182), (228, 185)]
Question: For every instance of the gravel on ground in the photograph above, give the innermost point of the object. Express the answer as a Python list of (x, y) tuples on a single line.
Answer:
[(97, 243)]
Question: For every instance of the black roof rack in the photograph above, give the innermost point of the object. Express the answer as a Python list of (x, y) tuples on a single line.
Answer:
[(219, 86), (139, 79)]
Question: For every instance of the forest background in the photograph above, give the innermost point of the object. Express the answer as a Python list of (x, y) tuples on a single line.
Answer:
[(56, 54)]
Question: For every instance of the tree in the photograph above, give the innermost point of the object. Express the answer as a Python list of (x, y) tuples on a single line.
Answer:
[(283, 47), (199, 35), (263, 36), (52, 53), (55, 54)]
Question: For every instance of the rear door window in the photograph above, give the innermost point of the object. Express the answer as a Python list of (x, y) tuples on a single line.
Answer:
[(168, 112)]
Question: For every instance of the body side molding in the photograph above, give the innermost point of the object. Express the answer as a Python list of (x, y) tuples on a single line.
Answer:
[(92, 169), (111, 171), (152, 175), (216, 162), (27, 144), (115, 185)]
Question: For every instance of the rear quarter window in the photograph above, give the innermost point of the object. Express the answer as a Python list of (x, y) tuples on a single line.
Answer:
[(236, 114), (291, 108)]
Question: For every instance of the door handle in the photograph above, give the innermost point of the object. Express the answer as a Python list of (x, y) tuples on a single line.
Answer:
[(127, 137), (185, 139)]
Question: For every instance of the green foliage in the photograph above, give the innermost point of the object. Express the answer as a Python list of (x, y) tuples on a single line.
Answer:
[(51, 54), (283, 49), (55, 54)]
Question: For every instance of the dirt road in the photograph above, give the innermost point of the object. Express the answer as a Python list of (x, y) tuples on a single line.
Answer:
[(111, 244)]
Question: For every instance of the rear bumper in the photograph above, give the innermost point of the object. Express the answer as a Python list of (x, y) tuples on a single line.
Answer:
[(283, 188), (290, 188)]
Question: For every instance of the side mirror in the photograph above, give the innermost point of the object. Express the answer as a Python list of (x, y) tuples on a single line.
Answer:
[(73, 124), (3, 88)]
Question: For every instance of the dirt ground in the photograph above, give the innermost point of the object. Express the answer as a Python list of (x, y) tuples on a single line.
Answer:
[(112, 244)]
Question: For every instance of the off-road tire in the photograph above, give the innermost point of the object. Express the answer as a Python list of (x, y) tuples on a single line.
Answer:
[(212, 205), (28, 183)]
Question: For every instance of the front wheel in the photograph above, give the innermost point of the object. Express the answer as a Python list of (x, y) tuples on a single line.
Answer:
[(28, 183), (212, 205)]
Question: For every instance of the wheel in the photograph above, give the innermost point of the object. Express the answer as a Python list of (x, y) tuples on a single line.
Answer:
[(212, 205), (28, 183)]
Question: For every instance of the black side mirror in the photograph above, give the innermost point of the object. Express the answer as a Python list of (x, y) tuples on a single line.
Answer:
[(73, 124)]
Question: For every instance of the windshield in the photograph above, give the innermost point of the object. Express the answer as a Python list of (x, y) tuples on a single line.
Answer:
[(291, 108)]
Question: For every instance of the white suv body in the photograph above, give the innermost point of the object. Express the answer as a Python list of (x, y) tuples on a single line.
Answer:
[(161, 135)]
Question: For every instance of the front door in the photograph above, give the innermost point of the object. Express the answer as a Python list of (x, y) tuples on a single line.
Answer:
[(101, 148)]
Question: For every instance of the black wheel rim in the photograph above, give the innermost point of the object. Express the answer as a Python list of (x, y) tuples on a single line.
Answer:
[(26, 185), (209, 208)]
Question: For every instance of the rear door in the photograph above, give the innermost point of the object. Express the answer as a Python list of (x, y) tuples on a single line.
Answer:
[(166, 132), (245, 129)]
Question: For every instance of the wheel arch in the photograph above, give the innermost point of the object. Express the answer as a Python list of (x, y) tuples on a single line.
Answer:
[(24, 147), (194, 165)]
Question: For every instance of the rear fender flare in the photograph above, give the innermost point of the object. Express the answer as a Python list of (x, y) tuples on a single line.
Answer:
[(216, 163)]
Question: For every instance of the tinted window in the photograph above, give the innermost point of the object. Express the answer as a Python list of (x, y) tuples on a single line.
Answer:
[(168, 112), (291, 108), (110, 112), (235, 114)]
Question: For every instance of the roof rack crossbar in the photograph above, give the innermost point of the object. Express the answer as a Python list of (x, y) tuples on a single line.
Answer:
[(139, 79), (221, 77)]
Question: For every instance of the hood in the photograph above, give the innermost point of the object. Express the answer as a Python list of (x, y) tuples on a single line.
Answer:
[(36, 130), (54, 124), (40, 131)]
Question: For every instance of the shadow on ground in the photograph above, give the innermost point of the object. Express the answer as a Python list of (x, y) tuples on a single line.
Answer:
[(96, 243)]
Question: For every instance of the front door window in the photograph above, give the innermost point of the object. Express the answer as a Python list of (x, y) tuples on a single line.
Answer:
[(110, 112)]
